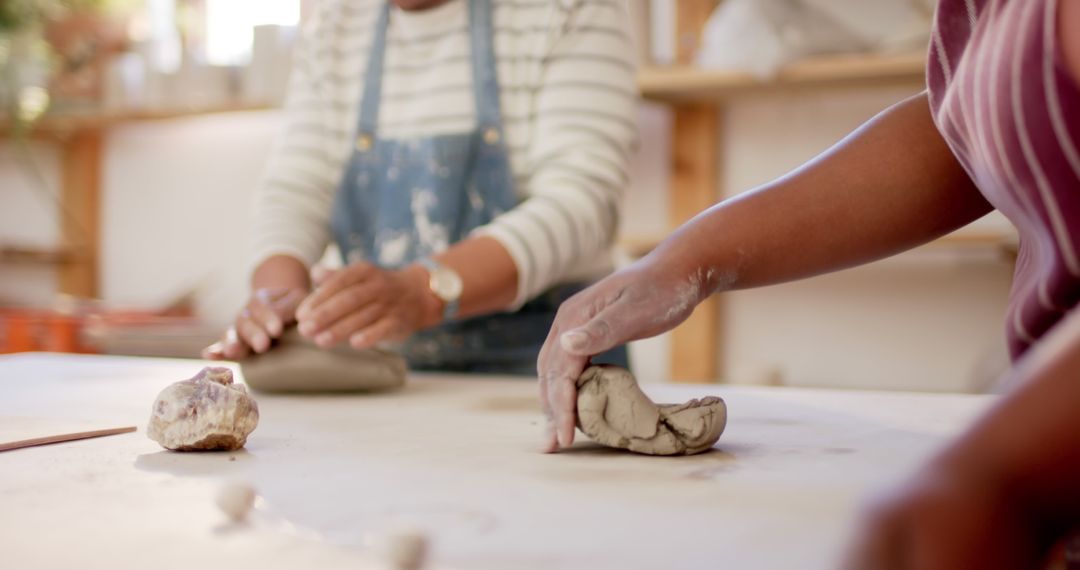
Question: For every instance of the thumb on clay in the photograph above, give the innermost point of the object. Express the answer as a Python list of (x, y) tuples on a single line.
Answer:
[(590, 339)]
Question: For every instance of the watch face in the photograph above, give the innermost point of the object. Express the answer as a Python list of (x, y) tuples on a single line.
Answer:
[(446, 284)]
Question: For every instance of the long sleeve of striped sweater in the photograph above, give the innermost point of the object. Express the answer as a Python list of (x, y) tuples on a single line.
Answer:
[(569, 103)]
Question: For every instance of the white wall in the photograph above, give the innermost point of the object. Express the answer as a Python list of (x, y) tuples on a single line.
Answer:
[(176, 197), (646, 214), (176, 206), (28, 218), (924, 321), (174, 210)]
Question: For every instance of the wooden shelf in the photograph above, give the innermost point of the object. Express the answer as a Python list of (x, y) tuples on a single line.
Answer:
[(1002, 241), (80, 137), (64, 123), (685, 83), (39, 256)]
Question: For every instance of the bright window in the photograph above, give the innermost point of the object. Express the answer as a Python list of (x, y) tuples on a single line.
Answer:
[(229, 26)]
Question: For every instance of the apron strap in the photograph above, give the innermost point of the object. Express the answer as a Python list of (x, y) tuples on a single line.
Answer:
[(485, 69), (369, 105)]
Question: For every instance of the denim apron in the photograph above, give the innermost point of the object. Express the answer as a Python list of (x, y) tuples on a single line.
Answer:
[(401, 201)]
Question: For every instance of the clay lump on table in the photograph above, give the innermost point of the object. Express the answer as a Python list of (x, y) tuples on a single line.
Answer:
[(613, 411)]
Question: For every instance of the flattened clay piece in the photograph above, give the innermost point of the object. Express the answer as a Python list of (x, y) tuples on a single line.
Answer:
[(205, 413), (295, 364), (613, 411)]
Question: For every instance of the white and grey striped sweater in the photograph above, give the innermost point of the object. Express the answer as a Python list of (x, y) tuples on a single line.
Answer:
[(569, 103)]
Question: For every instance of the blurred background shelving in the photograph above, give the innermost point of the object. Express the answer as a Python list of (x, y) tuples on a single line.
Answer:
[(140, 198), (926, 320)]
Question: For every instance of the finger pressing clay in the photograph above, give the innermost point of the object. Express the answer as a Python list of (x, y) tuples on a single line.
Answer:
[(295, 364), (205, 413), (613, 411)]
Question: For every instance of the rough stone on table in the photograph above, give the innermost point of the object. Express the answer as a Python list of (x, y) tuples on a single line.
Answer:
[(205, 413)]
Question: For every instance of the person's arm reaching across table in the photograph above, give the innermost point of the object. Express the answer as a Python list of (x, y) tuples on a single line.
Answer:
[(890, 186)]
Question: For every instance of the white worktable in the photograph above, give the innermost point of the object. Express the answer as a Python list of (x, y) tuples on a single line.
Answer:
[(456, 456)]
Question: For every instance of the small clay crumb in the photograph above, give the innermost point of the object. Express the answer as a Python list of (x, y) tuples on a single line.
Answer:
[(400, 548), (232, 458), (236, 500)]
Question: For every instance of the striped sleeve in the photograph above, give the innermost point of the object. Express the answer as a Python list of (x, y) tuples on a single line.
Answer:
[(578, 158), (291, 210)]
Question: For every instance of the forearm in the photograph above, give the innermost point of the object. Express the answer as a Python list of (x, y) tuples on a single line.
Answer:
[(890, 186), (487, 272), (488, 275), (280, 272), (1030, 441)]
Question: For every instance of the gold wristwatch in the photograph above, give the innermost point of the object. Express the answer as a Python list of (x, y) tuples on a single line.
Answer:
[(446, 284)]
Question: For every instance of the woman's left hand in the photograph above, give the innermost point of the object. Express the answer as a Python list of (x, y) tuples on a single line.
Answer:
[(949, 515), (364, 305)]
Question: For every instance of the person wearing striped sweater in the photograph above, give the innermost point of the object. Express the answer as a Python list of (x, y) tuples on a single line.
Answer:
[(468, 159), (998, 128)]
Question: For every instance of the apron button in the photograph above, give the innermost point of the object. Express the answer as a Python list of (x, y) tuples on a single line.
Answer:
[(491, 135), (363, 143)]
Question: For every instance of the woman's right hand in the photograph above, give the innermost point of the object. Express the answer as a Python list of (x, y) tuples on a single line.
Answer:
[(261, 321), (647, 298)]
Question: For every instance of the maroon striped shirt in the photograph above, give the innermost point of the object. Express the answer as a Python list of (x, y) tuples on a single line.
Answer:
[(1010, 110)]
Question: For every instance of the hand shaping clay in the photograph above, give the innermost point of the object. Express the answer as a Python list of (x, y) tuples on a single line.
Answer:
[(613, 411), (207, 412), (295, 364)]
